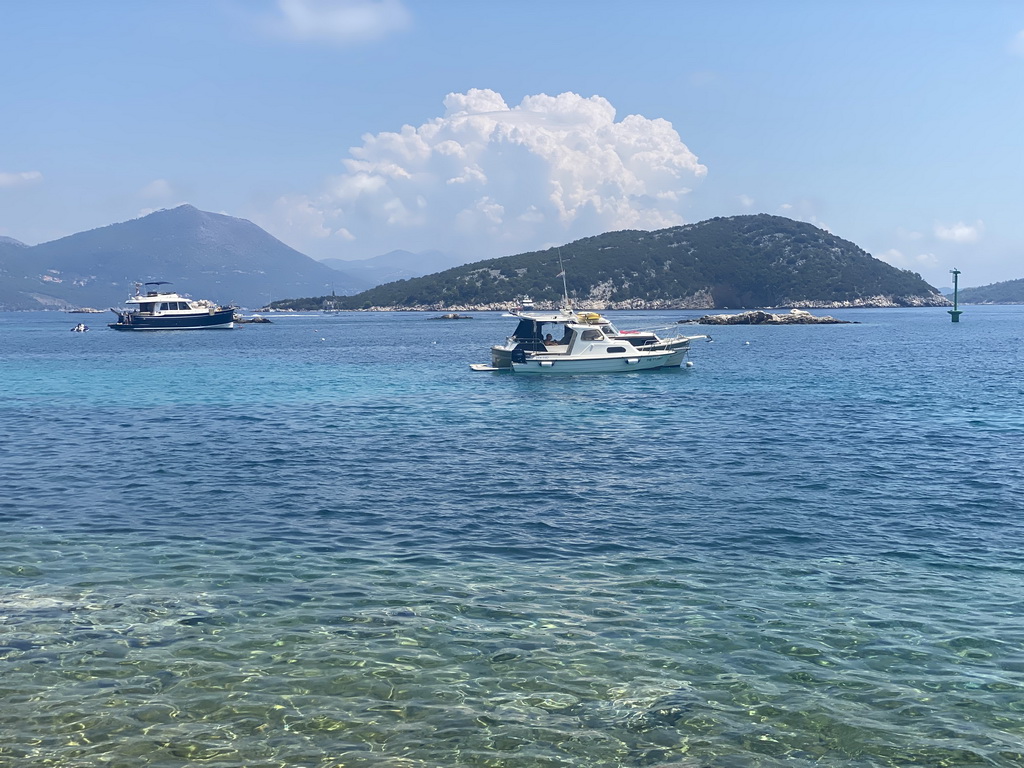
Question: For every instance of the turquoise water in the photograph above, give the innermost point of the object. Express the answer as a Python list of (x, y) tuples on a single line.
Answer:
[(326, 542)]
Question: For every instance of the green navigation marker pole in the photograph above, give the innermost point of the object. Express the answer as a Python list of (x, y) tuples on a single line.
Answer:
[(954, 312)]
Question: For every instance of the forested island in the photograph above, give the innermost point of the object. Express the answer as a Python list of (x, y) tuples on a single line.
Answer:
[(1008, 292), (739, 261)]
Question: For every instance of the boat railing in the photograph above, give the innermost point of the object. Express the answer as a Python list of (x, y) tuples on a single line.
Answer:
[(674, 328)]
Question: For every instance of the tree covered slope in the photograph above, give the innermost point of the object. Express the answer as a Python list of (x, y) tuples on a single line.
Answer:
[(1008, 292), (740, 261)]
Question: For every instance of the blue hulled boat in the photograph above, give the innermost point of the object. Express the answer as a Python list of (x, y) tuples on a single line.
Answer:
[(160, 310)]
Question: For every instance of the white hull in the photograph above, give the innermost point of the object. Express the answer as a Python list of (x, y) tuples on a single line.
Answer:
[(549, 364), (676, 358), (501, 356)]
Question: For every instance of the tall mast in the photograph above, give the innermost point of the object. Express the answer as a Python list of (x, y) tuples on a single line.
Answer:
[(565, 289)]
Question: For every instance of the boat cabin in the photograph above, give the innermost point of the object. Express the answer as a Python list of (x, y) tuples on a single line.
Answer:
[(164, 305), (531, 331), (578, 340)]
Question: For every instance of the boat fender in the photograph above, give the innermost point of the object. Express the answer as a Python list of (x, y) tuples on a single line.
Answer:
[(211, 310)]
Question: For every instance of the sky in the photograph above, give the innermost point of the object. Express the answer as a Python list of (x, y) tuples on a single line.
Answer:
[(485, 128)]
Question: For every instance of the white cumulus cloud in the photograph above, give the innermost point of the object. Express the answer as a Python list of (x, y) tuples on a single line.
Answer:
[(341, 21), (960, 232), (486, 179), (17, 179)]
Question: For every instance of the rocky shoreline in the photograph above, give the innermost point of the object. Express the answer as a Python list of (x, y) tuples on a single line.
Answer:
[(759, 317), (699, 301)]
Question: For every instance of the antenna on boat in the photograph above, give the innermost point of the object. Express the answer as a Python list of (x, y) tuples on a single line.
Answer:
[(565, 289)]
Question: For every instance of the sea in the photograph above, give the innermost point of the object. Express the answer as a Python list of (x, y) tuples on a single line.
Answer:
[(325, 542)]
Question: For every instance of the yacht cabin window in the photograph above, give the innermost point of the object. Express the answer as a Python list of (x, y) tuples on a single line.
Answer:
[(591, 335)]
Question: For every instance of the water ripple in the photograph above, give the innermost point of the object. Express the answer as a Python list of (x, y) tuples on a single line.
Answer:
[(796, 553)]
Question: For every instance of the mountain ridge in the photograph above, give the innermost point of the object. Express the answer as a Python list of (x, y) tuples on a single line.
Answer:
[(725, 262), (207, 255), (750, 261), (391, 266)]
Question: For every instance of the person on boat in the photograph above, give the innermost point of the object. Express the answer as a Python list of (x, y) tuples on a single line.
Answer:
[(549, 341)]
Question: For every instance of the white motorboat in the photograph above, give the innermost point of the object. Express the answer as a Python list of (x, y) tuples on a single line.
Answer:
[(525, 303), (535, 327), (586, 348), (159, 310), (587, 342)]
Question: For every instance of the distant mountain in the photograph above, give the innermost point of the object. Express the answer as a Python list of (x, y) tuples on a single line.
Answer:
[(1008, 292), (15, 264), (396, 265), (741, 261), (206, 255)]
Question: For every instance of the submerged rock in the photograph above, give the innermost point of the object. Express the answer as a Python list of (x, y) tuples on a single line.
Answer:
[(760, 317)]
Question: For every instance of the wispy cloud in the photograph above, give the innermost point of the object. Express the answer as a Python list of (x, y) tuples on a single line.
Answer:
[(803, 210), (746, 201), (487, 179), (903, 260), (343, 22), (960, 232), (19, 179), (704, 79), (1017, 44), (158, 189)]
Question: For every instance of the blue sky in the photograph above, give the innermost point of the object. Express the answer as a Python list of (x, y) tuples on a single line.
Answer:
[(349, 128)]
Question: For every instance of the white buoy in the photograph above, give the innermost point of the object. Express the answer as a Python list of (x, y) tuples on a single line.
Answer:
[(689, 364)]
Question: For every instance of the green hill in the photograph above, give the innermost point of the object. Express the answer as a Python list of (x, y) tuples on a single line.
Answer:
[(741, 261), (1008, 292)]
